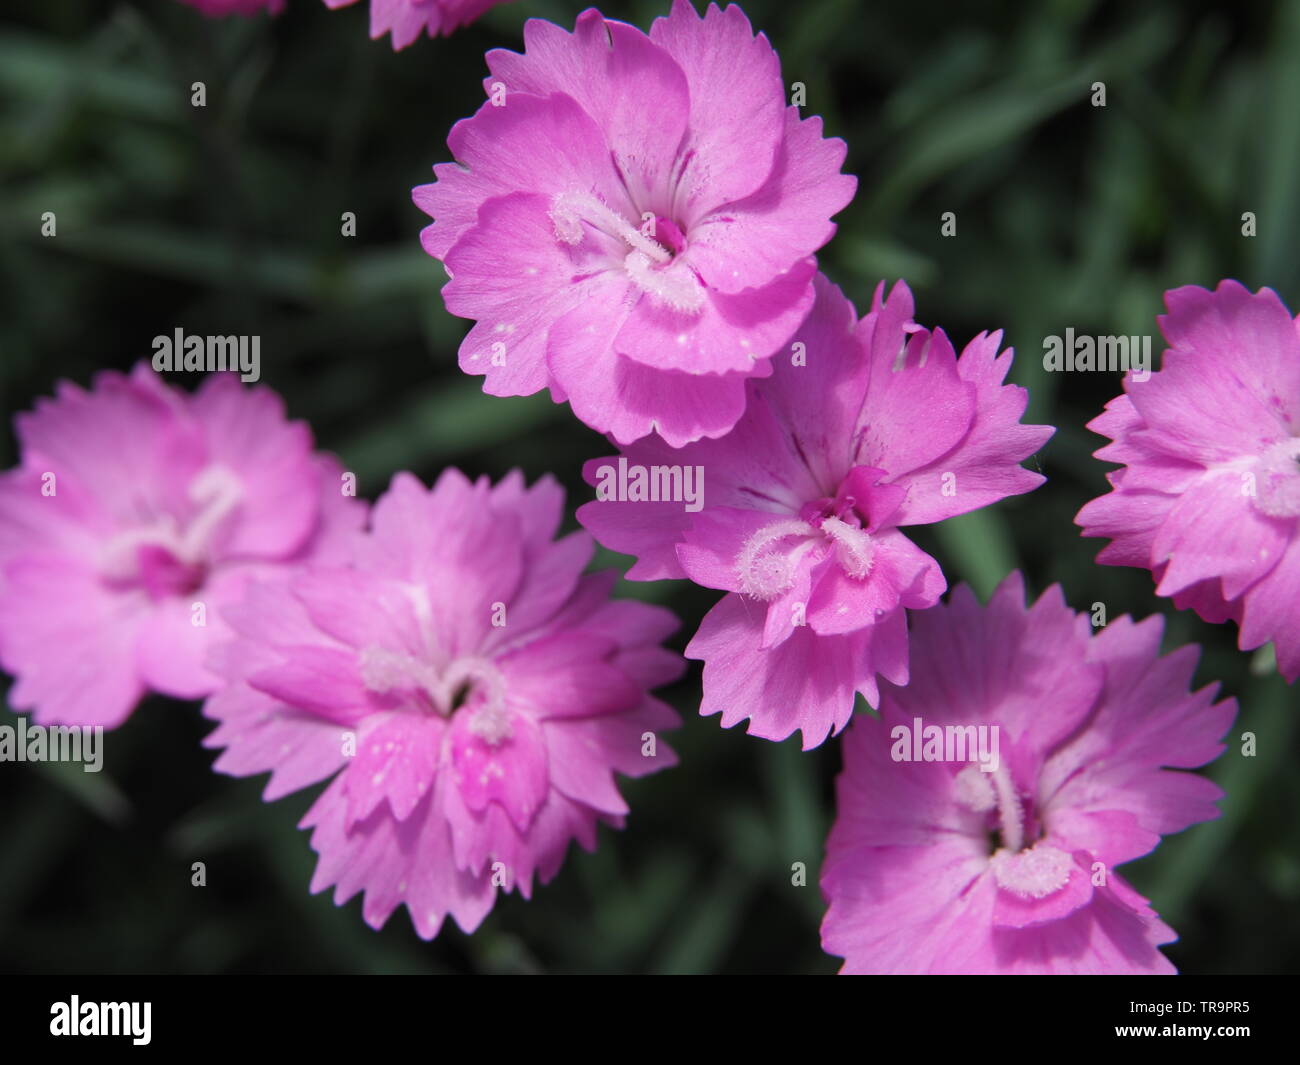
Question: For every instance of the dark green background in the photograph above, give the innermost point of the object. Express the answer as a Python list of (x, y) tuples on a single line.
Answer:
[(226, 220)]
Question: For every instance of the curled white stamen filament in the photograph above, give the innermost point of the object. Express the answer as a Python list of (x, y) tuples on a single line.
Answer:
[(854, 546), (977, 792), (676, 288), (384, 671), (570, 209), (765, 575), (1010, 812), (219, 492)]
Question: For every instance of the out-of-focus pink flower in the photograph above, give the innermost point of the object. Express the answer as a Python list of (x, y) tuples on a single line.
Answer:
[(1005, 863), (407, 19), (136, 513), (631, 220), (222, 8), (863, 428), (1210, 494), (469, 690)]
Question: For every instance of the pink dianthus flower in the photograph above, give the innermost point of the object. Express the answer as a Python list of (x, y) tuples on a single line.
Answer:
[(468, 689), (865, 427), (937, 866), (632, 218), (1209, 499), (136, 513), (222, 8)]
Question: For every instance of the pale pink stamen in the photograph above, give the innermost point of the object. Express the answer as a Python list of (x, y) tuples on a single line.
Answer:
[(854, 547), (571, 210), (1036, 873), (216, 488), (649, 265), (1277, 480), (764, 573)]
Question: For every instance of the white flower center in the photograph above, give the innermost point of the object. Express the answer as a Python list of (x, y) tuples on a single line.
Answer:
[(648, 264), (473, 683), (217, 491), (1034, 872), (1276, 480), (764, 571)]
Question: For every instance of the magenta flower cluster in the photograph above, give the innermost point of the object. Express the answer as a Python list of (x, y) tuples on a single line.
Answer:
[(441, 655), (631, 221)]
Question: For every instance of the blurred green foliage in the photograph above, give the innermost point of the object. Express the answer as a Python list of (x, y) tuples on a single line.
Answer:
[(227, 219)]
